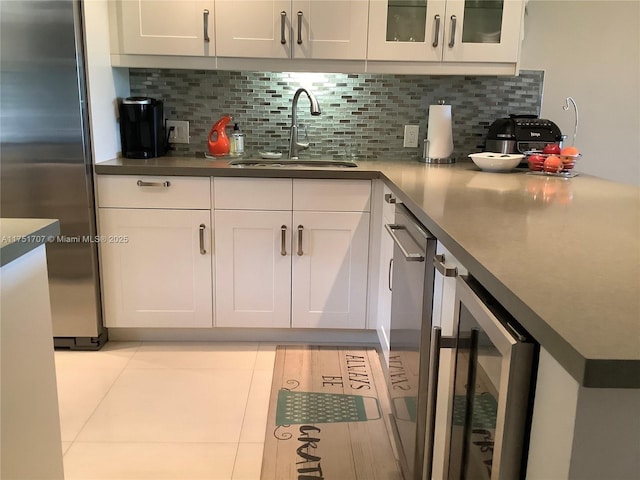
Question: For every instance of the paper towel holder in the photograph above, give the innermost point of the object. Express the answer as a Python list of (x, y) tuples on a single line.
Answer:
[(426, 158)]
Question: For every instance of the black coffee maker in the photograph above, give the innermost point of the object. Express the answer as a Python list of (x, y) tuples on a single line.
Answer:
[(142, 127)]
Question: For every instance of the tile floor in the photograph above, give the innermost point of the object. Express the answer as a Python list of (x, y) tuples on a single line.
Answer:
[(170, 410)]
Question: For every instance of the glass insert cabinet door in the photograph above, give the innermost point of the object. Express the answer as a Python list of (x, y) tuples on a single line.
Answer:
[(406, 20), (445, 30)]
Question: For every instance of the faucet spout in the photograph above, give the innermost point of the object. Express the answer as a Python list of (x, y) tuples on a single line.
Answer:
[(295, 146)]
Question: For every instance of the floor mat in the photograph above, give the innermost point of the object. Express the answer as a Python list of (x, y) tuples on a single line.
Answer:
[(327, 416)]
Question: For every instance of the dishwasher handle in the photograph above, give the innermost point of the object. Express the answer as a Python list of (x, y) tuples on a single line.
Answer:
[(409, 257)]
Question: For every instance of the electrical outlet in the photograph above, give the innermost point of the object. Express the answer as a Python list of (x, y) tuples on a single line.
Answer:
[(411, 135), (180, 132)]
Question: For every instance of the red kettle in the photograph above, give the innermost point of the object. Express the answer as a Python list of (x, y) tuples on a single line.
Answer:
[(218, 139)]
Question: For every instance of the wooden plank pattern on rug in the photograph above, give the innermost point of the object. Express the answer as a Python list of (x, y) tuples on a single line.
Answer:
[(341, 434)]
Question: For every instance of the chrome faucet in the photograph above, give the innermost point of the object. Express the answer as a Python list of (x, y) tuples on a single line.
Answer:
[(294, 145)]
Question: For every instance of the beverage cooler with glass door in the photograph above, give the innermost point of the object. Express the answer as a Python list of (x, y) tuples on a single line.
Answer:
[(479, 385)]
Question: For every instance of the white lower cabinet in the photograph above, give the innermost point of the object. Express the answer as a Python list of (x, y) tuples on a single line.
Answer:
[(156, 267), (385, 201), (329, 275), (278, 266), (155, 250), (287, 252), (253, 268)]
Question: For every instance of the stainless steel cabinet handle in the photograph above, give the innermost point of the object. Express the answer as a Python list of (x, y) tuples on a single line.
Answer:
[(390, 274), (202, 250), (283, 240), (299, 28), (452, 40), (166, 183), (389, 198), (438, 261), (432, 399), (300, 229), (436, 34), (283, 21), (205, 19), (409, 257)]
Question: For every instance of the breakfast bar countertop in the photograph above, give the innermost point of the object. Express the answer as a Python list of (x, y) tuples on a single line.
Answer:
[(21, 235), (562, 255)]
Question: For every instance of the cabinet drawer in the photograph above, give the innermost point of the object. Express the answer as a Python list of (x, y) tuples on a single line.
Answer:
[(143, 191), (332, 195), (252, 193)]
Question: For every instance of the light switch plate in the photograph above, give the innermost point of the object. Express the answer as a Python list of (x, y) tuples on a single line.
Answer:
[(180, 132), (411, 136)]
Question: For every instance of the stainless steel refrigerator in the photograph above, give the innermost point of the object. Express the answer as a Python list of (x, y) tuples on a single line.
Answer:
[(46, 170)]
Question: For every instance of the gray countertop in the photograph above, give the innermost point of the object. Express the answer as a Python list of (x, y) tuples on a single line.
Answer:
[(562, 255), (21, 235)]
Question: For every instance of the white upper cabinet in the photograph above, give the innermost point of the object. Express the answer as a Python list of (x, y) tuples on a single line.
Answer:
[(253, 28), (406, 30), (377, 36), (167, 27), (445, 30), (482, 30), (304, 29), (330, 29)]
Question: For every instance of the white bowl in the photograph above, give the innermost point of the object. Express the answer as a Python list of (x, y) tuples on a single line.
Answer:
[(496, 162)]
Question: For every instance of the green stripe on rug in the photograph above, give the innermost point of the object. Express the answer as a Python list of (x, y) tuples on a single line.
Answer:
[(311, 407)]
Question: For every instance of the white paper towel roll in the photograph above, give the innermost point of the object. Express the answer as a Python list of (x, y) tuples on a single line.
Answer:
[(439, 132)]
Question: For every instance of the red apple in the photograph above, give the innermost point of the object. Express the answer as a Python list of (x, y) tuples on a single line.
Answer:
[(536, 162), (551, 149)]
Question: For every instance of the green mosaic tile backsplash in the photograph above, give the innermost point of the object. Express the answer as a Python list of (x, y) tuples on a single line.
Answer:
[(362, 114)]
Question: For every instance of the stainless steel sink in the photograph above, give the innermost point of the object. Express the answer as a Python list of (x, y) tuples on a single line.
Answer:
[(285, 162)]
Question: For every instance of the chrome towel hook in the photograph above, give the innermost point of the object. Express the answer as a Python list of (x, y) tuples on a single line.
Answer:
[(575, 108)]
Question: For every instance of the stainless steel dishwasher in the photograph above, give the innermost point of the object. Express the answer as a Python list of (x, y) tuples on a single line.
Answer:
[(411, 275)]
